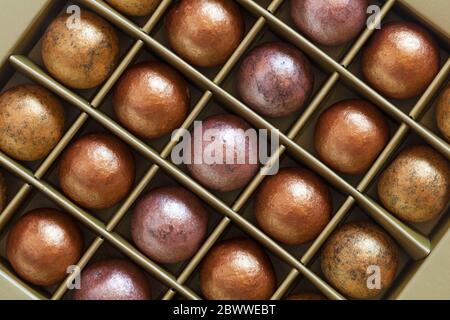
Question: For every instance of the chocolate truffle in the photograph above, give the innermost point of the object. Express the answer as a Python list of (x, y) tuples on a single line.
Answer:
[(31, 122), (401, 60), (275, 79), (349, 136), (2, 192), (293, 206), (443, 113), (151, 99), (169, 224), (80, 53), (416, 185), (97, 171), (329, 22), (114, 279), (223, 157), (355, 255), (306, 296), (205, 32), (42, 245), (237, 269), (138, 8)]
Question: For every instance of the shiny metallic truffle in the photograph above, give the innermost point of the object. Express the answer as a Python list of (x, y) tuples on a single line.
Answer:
[(137, 8), (416, 185), (114, 279), (401, 60), (360, 260), (237, 269), (443, 113), (42, 245), (31, 122), (169, 224), (80, 52), (205, 32), (275, 79), (97, 171), (293, 206), (151, 99), (349, 135)]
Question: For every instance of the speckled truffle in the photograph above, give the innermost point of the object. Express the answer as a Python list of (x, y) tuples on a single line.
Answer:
[(137, 8), (443, 113)]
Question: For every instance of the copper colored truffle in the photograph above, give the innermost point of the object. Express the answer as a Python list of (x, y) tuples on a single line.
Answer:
[(80, 53), (151, 99), (350, 255), (237, 269), (306, 296), (401, 60), (113, 279), (137, 8), (97, 171), (275, 79), (443, 113), (42, 245), (31, 122), (205, 32), (223, 158), (349, 136), (293, 206), (2, 192), (329, 22), (169, 224), (416, 185)]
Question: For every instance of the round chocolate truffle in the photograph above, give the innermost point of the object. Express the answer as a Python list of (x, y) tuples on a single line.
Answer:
[(275, 79), (80, 52), (228, 157), (307, 296), (2, 192), (237, 269), (443, 113), (114, 279), (151, 99), (401, 60), (42, 245), (31, 122), (205, 32), (416, 185), (97, 171), (354, 254), (349, 136), (329, 22), (138, 8), (169, 224), (293, 206)]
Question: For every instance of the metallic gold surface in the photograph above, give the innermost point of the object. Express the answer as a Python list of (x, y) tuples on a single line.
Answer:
[(349, 135), (169, 224), (416, 185), (42, 245), (350, 253), (401, 60), (80, 54), (275, 79), (97, 171), (306, 296), (134, 7), (205, 32), (151, 99), (31, 122), (329, 22), (443, 113), (113, 279), (237, 269)]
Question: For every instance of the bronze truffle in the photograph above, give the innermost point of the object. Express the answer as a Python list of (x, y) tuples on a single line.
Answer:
[(42, 245), (275, 79), (205, 32), (293, 206), (97, 171), (443, 113), (151, 99), (401, 60), (31, 122), (80, 53), (416, 185), (237, 269), (354, 254), (349, 135), (137, 8)]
